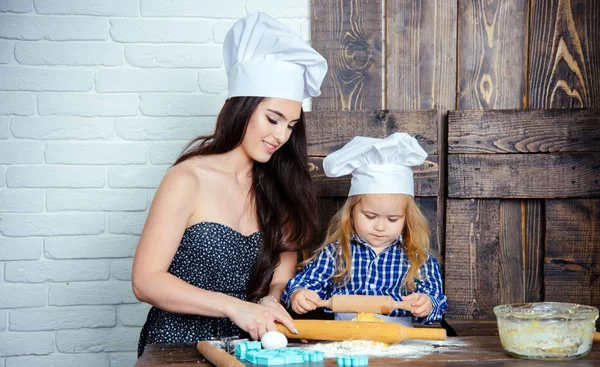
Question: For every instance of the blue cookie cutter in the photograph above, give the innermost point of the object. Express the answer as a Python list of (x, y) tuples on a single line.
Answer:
[(252, 352), (352, 361)]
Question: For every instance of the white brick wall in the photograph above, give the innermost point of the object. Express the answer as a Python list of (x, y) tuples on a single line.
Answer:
[(97, 98)]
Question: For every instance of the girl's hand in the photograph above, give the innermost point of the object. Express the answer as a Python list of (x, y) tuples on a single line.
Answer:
[(420, 304), (257, 319), (304, 300)]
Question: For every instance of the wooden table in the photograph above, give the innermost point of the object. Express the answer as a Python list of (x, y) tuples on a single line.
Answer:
[(456, 351)]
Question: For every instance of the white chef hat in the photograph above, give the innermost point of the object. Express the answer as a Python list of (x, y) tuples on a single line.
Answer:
[(264, 58), (378, 166)]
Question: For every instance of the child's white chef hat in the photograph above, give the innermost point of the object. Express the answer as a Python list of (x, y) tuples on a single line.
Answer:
[(378, 166), (264, 58)]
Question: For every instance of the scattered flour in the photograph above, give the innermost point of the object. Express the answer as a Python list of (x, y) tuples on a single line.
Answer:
[(406, 349)]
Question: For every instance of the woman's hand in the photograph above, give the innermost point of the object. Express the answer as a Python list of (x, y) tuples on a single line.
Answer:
[(420, 304), (257, 319), (304, 300)]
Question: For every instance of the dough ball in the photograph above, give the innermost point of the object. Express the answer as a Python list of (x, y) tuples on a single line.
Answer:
[(365, 316), (273, 340)]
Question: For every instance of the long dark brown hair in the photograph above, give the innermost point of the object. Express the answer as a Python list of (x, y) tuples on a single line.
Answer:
[(285, 200)]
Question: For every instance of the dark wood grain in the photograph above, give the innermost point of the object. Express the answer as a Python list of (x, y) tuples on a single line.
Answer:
[(472, 258), (328, 131), (511, 256), (425, 176), (348, 34), (524, 131), (565, 56), (532, 214), (459, 351), (421, 70), (428, 206), (421, 54), (492, 57), (572, 261), (524, 175), (521, 251)]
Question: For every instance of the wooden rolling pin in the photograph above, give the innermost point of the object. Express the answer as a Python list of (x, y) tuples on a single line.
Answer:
[(386, 332), (217, 356), (373, 304)]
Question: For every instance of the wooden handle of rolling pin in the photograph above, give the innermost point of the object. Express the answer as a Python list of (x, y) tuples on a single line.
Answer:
[(596, 337), (217, 356), (386, 332), (373, 304)]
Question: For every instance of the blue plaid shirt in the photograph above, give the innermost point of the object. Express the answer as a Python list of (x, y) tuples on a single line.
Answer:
[(372, 274)]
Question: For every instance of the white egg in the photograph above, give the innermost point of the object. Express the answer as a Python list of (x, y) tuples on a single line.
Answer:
[(273, 340)]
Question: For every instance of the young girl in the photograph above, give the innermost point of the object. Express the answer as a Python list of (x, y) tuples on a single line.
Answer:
[(220, 241), (377, 244)]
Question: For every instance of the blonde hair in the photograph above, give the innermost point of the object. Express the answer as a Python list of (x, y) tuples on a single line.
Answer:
[(415, 235)]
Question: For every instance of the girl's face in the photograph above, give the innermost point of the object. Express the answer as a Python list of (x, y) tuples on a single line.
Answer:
[(379, 219), (270, 126)]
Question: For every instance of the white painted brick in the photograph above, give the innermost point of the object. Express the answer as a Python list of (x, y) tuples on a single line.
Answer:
[(95, 200), (4, 121), (16, 6), (17, 344), (93, 293), (136, 177), (20, 103), (55, 224), (20, 296), (87, 247), (166, 153), (126, 223), (61, 318), (90, 340), (174, 56), (33, 79), (71, 53), (56, 176), (280, 9), (220, 30), (56, 271), (77, 104), (133, 315), (123, 359), (192, 8), (164, 128), (3, 320), (2, 176), (53, 28), (96, 153), (21, 201), (121, 269), (119, 8), (6, 51), (20, 248), (161, 30), (58, 360), (173, 104), (212, 81), (62, 127), (17, 152), (136, 80)]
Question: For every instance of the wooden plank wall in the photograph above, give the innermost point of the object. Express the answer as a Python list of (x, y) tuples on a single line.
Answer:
[(511, 184)]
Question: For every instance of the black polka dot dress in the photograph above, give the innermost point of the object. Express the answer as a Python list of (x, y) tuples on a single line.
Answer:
[(214, 257)]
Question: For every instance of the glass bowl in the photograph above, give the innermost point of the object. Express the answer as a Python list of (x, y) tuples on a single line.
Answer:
[(546, 330)]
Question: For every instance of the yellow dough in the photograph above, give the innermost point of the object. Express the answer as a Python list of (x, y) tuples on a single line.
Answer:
[(367, 316)]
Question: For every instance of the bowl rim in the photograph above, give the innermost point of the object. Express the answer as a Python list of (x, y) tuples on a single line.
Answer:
[(504, 310)]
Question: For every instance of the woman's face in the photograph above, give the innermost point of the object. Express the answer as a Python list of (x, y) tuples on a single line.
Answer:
[(270, 127)]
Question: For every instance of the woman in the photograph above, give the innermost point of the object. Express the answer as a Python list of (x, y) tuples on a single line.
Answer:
[(220, 240)]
